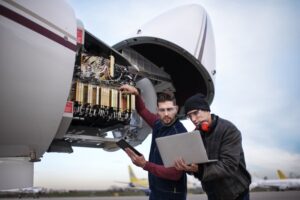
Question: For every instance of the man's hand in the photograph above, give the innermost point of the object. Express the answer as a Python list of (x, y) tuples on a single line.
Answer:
[(128, 89), (136, 159), (181, 165)]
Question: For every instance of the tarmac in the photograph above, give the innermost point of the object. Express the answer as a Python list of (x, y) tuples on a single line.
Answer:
[(282, 195)]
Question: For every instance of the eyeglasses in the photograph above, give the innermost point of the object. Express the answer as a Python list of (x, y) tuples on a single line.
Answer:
[(194, 113), (162, 110)]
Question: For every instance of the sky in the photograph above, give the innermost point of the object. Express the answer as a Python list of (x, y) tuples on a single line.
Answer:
[(256, 88)]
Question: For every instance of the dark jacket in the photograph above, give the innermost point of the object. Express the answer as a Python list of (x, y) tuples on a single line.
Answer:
[(227, 178), (162, 188)]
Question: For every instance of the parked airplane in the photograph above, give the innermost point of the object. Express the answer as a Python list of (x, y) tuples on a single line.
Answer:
[(137, 183), (24, 192), (281, 175), (143, 184), (58, 82), (283, 183), (194, 184)]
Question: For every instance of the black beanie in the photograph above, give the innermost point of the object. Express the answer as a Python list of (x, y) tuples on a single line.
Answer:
[(196, 102)]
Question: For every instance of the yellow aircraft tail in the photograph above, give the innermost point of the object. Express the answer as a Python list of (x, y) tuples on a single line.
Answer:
[(135, 181), (132, 176), (281, 175)]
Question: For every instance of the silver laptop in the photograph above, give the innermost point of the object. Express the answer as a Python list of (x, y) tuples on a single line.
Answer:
[(188, 145)]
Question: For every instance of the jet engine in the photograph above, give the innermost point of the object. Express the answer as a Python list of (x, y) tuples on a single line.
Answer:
[(68, 79), (59, 83)]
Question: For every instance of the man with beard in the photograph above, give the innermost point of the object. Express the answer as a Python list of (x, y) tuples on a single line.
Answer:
[(165, 183)]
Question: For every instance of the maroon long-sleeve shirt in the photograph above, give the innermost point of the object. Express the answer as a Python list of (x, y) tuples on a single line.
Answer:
[(158, 170)]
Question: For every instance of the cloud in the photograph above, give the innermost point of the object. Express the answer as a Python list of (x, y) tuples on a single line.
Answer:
[(264, 161)]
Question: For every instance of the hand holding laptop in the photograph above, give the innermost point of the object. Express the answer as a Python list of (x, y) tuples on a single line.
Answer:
[(181, 165), (189, 146)]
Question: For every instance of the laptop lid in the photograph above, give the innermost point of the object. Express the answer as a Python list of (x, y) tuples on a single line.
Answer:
[(188, 146)]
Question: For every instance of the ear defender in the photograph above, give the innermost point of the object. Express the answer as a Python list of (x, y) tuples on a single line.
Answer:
[(204, 126)]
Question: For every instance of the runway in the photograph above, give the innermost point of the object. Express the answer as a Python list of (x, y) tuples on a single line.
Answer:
[(290, 195)]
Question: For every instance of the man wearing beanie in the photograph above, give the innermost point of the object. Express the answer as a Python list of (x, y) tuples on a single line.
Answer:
[(228, 178), (164, 183)]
